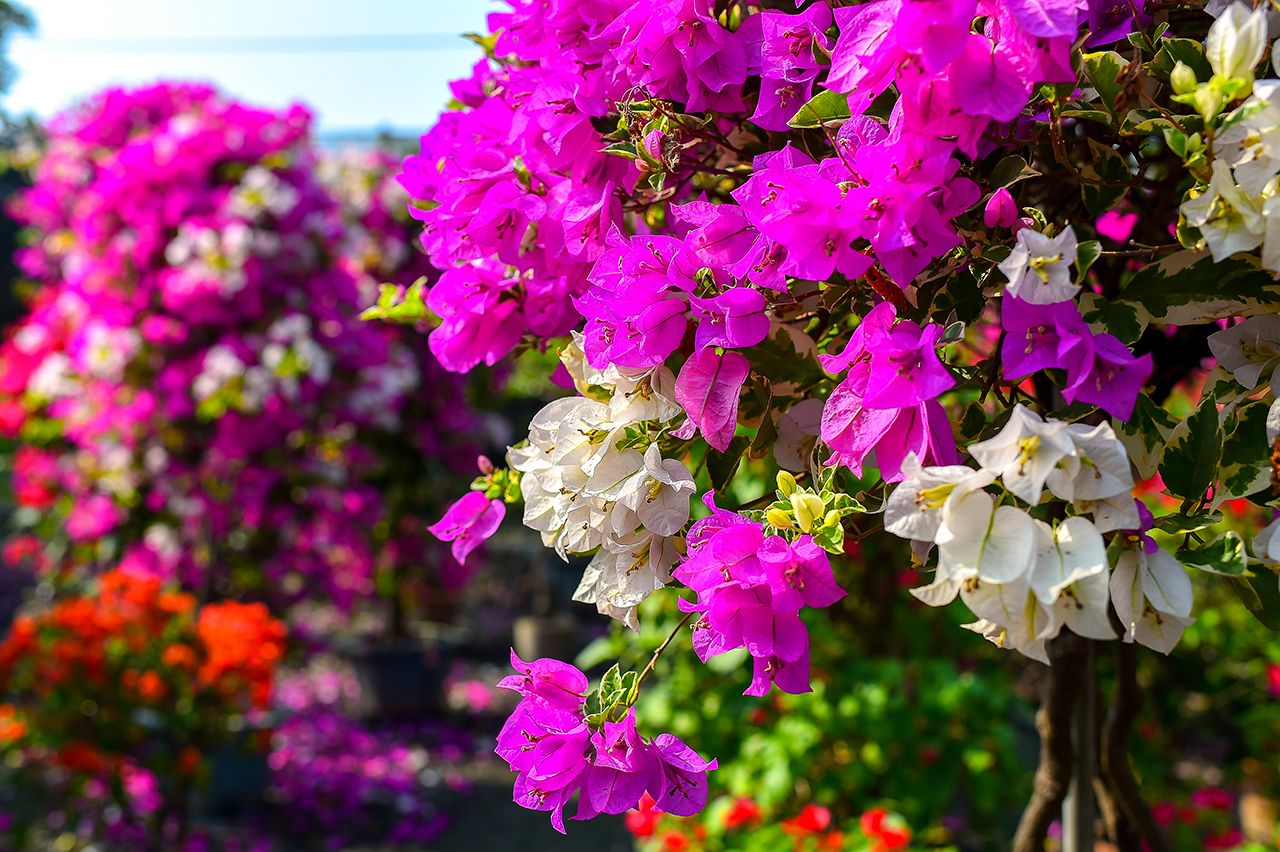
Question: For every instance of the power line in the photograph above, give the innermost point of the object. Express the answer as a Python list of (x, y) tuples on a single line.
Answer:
[(214, 45)]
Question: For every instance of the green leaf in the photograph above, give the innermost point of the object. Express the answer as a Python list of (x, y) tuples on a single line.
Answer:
[(766, 435), (1180, 524), (1188, 288), (1010, 170), (1261, 596), (1108, 166), (1087, 254), (1175, 50), (1190, 459), (1144, 434), (973, 421), (777, 360), (1095, 115), (830, 537), (822, 109), (626, 150), (1224, 555), (1245, 466), (390, 306), (1152, 122), (1104, 69), (1125, 320), (961, 293), (720, 466)]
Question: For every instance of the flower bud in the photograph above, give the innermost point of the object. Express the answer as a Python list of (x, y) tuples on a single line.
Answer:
[(486, 466), (1209, 102), (1024, 222), (778, 519), (1237, 41), (786, 483), (1183, 79), (653, 145), (1001, 210), (808, 508)]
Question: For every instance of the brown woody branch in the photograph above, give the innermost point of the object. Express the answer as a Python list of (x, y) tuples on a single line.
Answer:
[(1068, 655), (1116, 772)]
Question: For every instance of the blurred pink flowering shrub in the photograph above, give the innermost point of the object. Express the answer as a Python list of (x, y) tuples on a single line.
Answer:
[(196, 391)]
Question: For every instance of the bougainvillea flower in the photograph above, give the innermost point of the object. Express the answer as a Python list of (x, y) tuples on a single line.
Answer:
[(469, 522), (708, 388)]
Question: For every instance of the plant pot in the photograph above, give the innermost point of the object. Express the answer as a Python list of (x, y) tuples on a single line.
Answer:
[(392, 680), (237, 781), (539, 636)]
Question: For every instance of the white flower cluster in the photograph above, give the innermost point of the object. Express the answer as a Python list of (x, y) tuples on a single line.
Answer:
[(204, 254), (587, 484), (1239, 210), (1026, 579)]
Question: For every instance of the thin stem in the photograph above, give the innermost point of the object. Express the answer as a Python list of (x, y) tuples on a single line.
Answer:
[(654, 661)]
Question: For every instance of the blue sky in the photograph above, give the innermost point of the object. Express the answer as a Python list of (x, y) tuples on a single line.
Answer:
[(360, 64)]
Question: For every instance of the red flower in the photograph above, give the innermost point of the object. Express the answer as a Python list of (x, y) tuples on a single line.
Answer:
[(812, 819), (675, 841), (743, 809), (888, 832), (1165, 813), (1273, 679), (831, 842), (1229, 839), (1213, 799), (643, 821)]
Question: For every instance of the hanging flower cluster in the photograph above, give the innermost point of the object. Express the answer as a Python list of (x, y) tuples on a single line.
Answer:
[(563, 740), (193, 384), (925, 258)]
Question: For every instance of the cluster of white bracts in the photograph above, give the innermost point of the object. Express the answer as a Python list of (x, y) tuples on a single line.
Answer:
[(1023, 578), (582, 491)]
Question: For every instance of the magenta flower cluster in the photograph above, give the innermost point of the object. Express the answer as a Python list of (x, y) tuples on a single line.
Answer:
[(887, 401), (193, 373), (558, 752), (751, 588), (744, 229)]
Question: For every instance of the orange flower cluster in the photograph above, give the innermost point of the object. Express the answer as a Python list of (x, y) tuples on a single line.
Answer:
[(133, 644), (242, 644)]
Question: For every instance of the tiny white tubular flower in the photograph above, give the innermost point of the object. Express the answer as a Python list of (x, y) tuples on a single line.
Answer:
[(915, 508), (582, 530), (1039, 267), (1266, 544), (1025, 452), (1070, 579), (663, 501), (1237, 41), (1229, 219), (976, 540), (1250, 350), (1153, 596), (1098, 469)]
